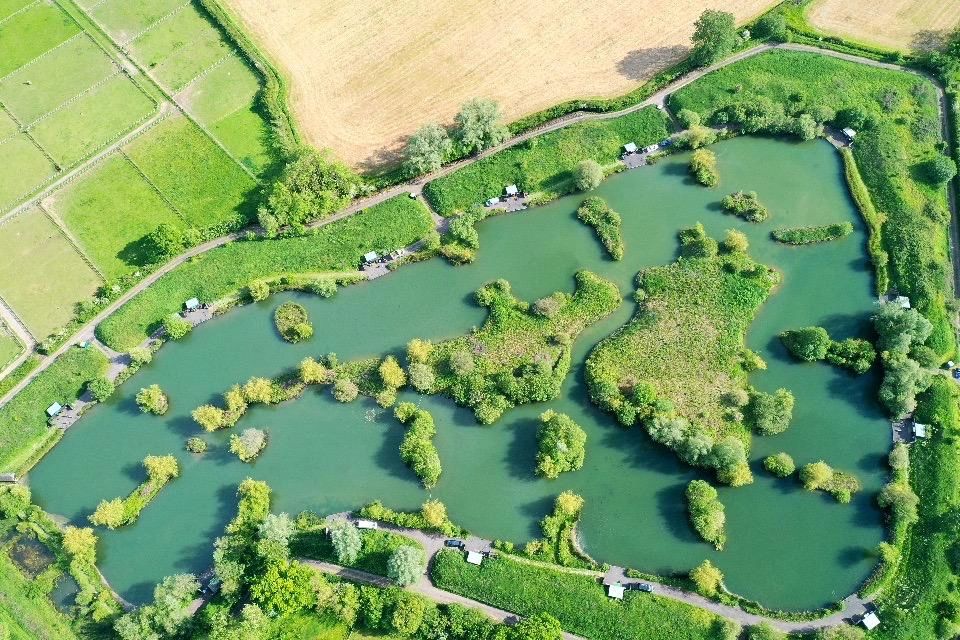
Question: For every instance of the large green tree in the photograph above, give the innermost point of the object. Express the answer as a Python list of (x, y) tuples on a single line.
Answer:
[(427, 149), (480, 125), (714, 37)]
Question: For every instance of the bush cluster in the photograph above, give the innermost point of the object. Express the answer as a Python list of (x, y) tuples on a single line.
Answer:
[(812, 344), (747, 205), (706, 512), (703, 167), (123, 511), (770, 413), (153, 400), (901, 334), (780, 464), (821, 476), (561, 444), (812, 234), (249, 444), (606, 222), (417, 449), (431, 517), (292, 322)]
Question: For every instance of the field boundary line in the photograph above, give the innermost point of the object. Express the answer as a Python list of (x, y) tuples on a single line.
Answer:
[(94, 6), (152, 185), (13, 322), (22, 9), (91, 89), (205, 72), (62, 228), (153, 25), (44, 54), (13, 117)]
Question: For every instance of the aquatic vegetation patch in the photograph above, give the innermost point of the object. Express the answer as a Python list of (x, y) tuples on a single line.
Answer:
[(293, 322), (561, 444), (123, 511), (706, 512), (606, 222), (746, 205), (812, 234), (812, 344)]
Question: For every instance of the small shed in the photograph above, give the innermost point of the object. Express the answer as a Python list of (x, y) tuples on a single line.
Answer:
[(8, 477), (870, 621), (850, 133), (512, 190), (615, 591), (919, 430), (630, 147), (370, 256), (367, 524), (474, 557), (191, 304), (54, 409)]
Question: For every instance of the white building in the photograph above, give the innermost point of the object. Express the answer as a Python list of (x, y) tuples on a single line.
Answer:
[(370, 257), (474, 557), (630, 147), (191, 304), (615, 591), (919, 430), (512, 190), (870, 621), (54, 409)]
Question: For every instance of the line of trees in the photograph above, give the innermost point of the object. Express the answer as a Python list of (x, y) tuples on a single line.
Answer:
[(479, 125)]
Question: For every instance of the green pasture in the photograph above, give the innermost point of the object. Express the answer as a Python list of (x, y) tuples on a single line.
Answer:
[(205, 184), (42, 276), (109, 211), (247, 135), (180, 48), (55, 78), (226, 88), (31, 33), (7, 126), (10, 347), (9, 7), (32, 168), (96, 119), (124, 19)]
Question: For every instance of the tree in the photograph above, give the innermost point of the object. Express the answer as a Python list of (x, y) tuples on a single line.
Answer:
[(939, 170), (816, 475), (312, 372), (81, 544), (422, 377), (562, 445), (176, 327), (109, 513), (419, 350), (899, 458), (277, 527), (764, 631), (209, 417), (161, 468), (770, 413), (101, 388), (809, 344), (461, 362), (688, 118), (568, 504), (258, 290), (408, 613), (772, 26), (196, 445), (901, 500), (780, 464), (479, 125), (697, 136), (706, 512), (391, 374), (153, 400), (249, 444), (434, 514), (406, 565), (726, 629), (346, 540), (587, 175), (735, 242), (345, 390), (283, 588), (427, 149), (707, 578), (539, 626), (141, 355), (714, 36), (703, 166), (164, 241)]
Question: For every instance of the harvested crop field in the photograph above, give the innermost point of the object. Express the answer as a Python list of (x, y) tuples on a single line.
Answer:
[(896, 24), (415, 62)]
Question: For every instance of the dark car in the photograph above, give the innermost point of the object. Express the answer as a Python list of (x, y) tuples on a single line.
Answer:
[(956, 374), (640, 586), (453, 543)]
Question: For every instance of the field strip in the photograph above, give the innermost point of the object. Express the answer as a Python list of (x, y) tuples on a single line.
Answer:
[(16, 120), (78, 169), (205, 72), (42, 55), (16, 325), (154, 24), (73, 241), (91, 89), (21, 10), (155, 188)]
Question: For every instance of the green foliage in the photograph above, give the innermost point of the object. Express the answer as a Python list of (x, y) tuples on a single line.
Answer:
[(688, 118), (771, 26), (431, 517), (292, 322), (480, 125), (123, 511), (854, 354), (258, 290), (746, 205), (770, 413), (417, 449), (703, 167), (176, 327), (196, 445), (427, 150), (406, 565), (587, 175), (938, 170), (809, 344), (561, 444), (153, 400), (696, 136), (606, 222), (714, 37), (764, 631), (706, 512), (101, 388), (706, 578), (821, 476), (164, 242), (695, 243), (539, 626), (367, 550), (577, 601), (345, 390), (780, 464), (735, 242), (166, 616), (346, 540), (810, 235), (249, 444)]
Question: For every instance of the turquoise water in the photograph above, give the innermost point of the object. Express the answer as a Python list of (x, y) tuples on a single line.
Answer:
[(786, 548)]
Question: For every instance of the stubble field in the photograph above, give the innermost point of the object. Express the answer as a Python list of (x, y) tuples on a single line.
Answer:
[(896, 24)]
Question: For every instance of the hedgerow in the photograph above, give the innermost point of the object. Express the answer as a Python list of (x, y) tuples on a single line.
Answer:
[(812, 234), (606, 222)]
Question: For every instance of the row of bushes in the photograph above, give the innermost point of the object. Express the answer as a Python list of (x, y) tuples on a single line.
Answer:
[(812, 344), (812, 234), (706, 512), (417, 448), (123, 511), (557, 546), (431, 517), (606, 222)]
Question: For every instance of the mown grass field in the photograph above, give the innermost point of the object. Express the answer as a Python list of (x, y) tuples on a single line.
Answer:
[(110, 211), (57, 278), (545, 163), (31, 33), (10, 347), (577, 601), (224, 271), (33, 168), (124, 19)]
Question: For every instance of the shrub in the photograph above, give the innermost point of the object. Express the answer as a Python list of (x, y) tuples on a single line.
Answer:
[(176, 327), (770, 413), (258, 290), (812, 234), (900, 499), (706, 512), (899, 457), (346, 540), (816, 475), (210, 417), (764, 631), (695, 137), (706, 578), (325, 287), (746, 205), (688, 118), (391, 374), (809, 344), (417, 449), (422, 377), (292, 322), (695, 243), (196, 445), (248, 445), (313, 372), (141, 356), (587, 175), (735, 242), (101, 388), (406, 565), (772, 26), (703, 167), (153, 400), (780, 465), (854, 354), (549, 306), (939, 170), (562, 445), (461, 362), (419, 350), (345, 390), (606, 222)]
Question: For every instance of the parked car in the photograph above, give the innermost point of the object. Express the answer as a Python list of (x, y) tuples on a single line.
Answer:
[(640, 586), (453, 543), (956, 374)]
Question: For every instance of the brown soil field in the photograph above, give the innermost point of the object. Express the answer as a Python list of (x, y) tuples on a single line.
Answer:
[(896, 24), (365, 75)]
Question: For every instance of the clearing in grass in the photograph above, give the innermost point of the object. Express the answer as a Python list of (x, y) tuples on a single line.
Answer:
[(32, 33), (55, 78), (545, 163), (201, 181), (93, 120), (110, 211), (225, 271), (33, 168), (42, 276), (906, 25)]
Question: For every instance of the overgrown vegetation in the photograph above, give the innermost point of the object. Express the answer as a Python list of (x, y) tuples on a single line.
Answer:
[(703, 167), (811, 235), (431, 517), (557, 546), (561, 444), (706, 512), (417, 448), (821, 476), (606, 222), (123, 511), (746, 205), (249, 444), (901, 337), (293, 322), (812, 344)]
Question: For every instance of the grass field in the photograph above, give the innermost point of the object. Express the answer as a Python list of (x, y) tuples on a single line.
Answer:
[(546, 162), (110, 211), (199, 179), (124, 19), (416, 62), (33, 168), (225, 88), (222, 272), (93, 120), (247, 135), (58, 277), (10, 347), (9, 7), (27, 617), (896, 24), (31, 33), (64, 73), (7, 126)]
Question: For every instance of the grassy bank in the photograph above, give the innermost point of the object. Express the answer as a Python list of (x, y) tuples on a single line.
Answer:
[(577, 601), (545, 163), (24, 613), (24, 418), (224, 271)]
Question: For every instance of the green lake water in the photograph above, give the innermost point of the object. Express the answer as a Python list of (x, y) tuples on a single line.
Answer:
[(786, 547)]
